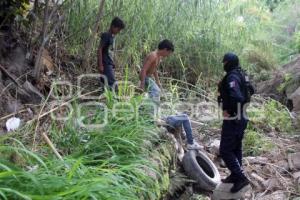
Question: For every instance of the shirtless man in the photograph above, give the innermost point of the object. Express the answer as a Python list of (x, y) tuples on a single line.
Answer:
[(165, 48)]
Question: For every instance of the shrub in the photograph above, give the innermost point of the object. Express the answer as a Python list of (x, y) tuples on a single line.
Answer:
[(277, 116), (264, 75), (270, 116), (255, 143), (259, 57)]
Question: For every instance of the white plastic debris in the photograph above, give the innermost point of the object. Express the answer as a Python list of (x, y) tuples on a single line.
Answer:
[(32, 168), (13, 123), (240, 19)]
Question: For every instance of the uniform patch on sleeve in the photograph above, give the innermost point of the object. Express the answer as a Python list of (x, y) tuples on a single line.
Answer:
[(232, 84)]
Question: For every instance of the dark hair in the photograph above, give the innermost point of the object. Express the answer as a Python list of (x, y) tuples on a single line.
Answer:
[(118, 23), (166, 44)]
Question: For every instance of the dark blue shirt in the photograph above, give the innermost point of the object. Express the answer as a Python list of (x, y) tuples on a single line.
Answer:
[(107, 43)]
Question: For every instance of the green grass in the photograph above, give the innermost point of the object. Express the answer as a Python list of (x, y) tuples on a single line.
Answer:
[(266, 117), (256, 143), (108, 163), (213, 28), (270, 116)]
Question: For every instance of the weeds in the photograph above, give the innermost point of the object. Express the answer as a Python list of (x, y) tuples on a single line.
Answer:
[(214, 28), (278, 117), (256, 143), (287, 80), (271, 116), (108, 163), (259, 58)]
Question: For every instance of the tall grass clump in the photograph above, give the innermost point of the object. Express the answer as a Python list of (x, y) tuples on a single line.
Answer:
[(111, 162), (202, 32), (282, 33)]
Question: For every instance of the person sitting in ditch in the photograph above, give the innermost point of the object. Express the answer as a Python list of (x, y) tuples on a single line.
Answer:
[(182, 120)]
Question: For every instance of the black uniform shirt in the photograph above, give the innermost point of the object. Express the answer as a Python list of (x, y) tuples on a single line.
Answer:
[(232, 92)]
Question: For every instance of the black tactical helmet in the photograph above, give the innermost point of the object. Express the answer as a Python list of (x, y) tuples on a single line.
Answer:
[(231, 61)]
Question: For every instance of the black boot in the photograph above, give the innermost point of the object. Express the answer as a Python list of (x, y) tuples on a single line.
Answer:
[(228, 179), (239, 184)]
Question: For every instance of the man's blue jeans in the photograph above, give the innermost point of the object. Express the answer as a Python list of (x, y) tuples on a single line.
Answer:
[(179, 121), (153, 89)]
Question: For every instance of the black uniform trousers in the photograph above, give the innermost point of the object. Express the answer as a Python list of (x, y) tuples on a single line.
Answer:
[(231, 145)]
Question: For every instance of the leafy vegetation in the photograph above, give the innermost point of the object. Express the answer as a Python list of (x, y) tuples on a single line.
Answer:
[(287, 80), (255, 143), (277, 116), (271, 116)]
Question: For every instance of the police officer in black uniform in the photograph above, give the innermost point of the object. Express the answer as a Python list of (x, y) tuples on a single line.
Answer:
[(232, 100)]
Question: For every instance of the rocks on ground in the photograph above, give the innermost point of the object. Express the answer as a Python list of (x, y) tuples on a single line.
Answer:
[(284, 86), (222, 192)]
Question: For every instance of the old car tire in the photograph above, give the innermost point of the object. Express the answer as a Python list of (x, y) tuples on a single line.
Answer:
[(201, 169)]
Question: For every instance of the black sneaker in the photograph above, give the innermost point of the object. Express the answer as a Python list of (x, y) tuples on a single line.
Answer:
[(239, 184), (228, 179)]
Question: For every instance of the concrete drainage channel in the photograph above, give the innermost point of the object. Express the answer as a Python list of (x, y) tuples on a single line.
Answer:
[(207, 182)]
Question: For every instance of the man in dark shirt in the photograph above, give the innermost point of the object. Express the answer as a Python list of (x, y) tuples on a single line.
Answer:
[(105, 51), (233, 98)]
